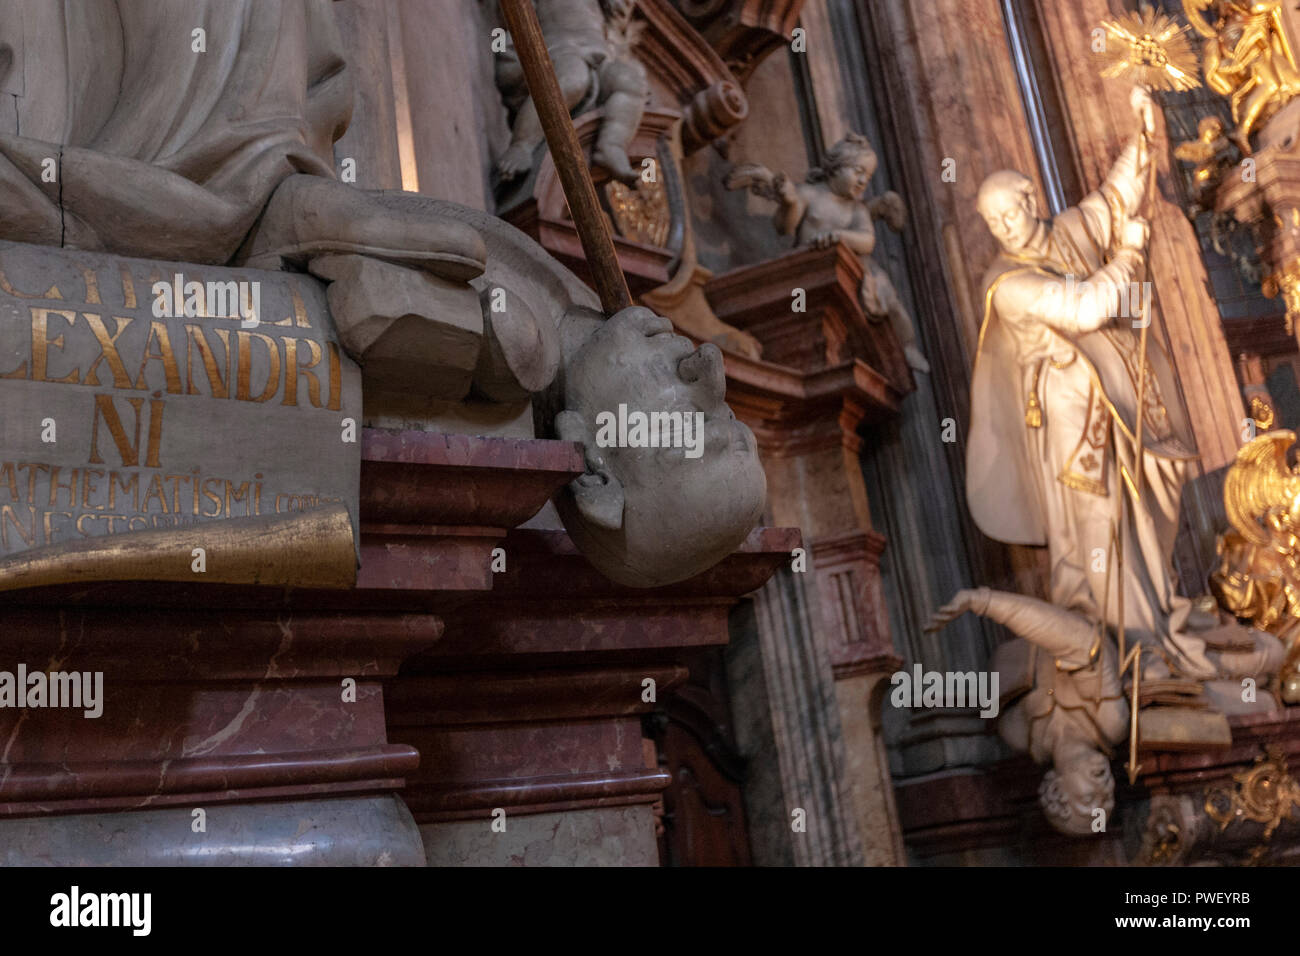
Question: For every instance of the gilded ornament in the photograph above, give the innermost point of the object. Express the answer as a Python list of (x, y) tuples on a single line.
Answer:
[(1149, 49), (1246, 57), (1287, 283), (640, 213), (1258, 578), (1265, 793)]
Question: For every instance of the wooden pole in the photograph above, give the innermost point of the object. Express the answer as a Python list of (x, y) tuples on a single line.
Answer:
[(566, 152), (1148, 203)]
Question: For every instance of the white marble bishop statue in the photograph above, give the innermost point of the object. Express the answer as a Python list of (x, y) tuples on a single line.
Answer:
[(1054, 416), (1054, 408)]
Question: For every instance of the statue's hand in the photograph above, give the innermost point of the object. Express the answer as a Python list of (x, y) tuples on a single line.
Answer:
[(1135, 234), (1144, 108), (967, 599), (824, 240), (785, 188)]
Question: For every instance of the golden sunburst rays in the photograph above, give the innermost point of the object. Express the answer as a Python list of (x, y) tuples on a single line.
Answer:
[(1149, 49)]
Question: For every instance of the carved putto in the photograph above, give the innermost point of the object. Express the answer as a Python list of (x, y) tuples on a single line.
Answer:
[(833, 206), (590, 44)]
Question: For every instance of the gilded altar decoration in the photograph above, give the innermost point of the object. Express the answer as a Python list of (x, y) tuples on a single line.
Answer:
[(1149, 49), (1286, 282), (1258, 578), (1263, 412), (640, 213), (1165, 836), (1246, 57), (1265, 793), (1210, 155)]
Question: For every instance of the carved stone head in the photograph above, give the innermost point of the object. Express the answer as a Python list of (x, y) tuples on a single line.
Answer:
[(849, 166), (673, 481), (1073, 790), (1008, 203)]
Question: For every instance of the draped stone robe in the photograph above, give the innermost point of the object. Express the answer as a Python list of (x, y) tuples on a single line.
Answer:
[(160, 150)]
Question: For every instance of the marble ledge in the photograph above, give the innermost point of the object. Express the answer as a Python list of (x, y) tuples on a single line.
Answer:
[(547, 564), (425, 478), (432, 508)]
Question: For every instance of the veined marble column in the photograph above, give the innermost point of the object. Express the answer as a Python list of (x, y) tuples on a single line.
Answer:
[(824, 633), (788, 726)]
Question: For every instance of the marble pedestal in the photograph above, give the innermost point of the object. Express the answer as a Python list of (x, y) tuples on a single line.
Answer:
[(528, 715), (257, 714), (269, 726)]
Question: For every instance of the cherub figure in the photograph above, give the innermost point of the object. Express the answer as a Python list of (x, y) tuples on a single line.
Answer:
[(832, 207), (1209, 152), (1246, 58), (590, 45)]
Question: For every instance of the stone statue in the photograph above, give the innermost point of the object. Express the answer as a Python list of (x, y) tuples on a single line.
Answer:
[(224, 156), (1052, 460), (163, 146), (1054, 408), (1062, 700), (1247, 58), (832, 207), (590, 45), (644, 516)]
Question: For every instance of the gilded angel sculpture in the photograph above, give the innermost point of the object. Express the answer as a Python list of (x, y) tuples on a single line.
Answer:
[(1209, 153), (1258, 578), (1246, 57)]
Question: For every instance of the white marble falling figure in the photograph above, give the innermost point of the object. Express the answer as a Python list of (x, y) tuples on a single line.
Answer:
[(1062, 399), (832, 206), (1062, 701)]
